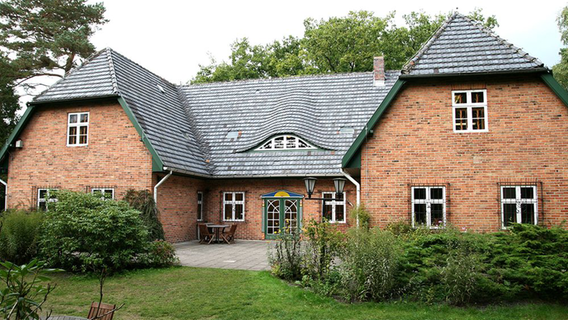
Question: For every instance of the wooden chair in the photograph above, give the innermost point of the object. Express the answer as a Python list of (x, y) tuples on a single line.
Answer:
[(229, 236), (205, 234), (103, 312)]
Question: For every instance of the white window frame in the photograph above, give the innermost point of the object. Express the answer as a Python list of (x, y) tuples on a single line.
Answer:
[(102, 191), (78, 124), (45, 200), (333, 204), (233, 204), (469, 106), (428, 201), (519, 202), (285, 137), (200, 206)]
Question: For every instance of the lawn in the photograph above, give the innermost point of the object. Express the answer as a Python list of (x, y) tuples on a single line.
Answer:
[(198, 293)]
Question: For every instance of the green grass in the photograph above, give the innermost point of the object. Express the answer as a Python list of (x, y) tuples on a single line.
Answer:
[(198, 293)]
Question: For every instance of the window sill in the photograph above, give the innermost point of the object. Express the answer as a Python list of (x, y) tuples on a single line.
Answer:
[(471, 131)]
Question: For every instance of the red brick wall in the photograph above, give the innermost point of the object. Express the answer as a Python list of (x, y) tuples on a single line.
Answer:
[(414, 143), (115, 156), (177, 201)]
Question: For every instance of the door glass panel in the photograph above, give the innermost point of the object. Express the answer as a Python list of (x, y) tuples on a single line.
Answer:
[(291, 215), (272, 217)]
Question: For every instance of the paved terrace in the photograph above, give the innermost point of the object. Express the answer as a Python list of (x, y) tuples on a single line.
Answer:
[(242, 254)]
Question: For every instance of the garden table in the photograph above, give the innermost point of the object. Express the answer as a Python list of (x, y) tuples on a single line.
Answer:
[(217, 228)]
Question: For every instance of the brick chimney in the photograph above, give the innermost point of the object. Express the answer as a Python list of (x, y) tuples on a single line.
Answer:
[(379, 71)]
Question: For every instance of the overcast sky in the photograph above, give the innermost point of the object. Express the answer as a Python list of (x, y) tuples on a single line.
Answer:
[(171, 38)]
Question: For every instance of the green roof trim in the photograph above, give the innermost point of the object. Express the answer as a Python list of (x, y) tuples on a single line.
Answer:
[(354, 150), (157, 164), (15, 133), (556, 87)]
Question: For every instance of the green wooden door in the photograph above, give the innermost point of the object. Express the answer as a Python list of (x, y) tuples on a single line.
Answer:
[(281, 215)]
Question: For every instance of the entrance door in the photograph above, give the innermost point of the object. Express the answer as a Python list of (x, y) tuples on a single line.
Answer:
[(281, 215)]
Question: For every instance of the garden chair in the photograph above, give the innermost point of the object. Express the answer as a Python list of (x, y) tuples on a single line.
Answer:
[(229, 236), (103, 312), (205, 234)]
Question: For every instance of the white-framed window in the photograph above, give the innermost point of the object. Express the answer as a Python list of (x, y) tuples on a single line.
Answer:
[(519, 204), (199, 206), (334, 210), (469, 109), (104, 193), (78, 129), (429, 206), (233, 206), (45, 197), (286, 142)]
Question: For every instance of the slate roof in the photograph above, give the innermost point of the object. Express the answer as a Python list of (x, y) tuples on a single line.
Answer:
[(464, 47), (188, 125)]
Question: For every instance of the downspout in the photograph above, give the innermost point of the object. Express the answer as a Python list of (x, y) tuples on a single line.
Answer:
[(358, 186), (158, 184), (5, 194)]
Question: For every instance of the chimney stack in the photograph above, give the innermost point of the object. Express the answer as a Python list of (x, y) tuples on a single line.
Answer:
[(379, 71)]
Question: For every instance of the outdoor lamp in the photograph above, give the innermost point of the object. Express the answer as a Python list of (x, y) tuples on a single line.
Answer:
[(310, 185), (339, 184)]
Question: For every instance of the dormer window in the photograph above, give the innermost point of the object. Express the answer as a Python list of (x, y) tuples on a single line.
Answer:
[(286, 142), (470, 110), (78, 129)]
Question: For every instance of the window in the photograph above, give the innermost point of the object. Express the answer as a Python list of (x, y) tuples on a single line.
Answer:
[(429, 206), (78, 129), (233, 206), (286, 142), (199, 206), (104, 193), (470, 110), (45, 197), (334, 210), (519, 204)]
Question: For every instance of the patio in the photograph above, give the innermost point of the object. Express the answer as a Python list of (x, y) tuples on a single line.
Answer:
[(242, 254)]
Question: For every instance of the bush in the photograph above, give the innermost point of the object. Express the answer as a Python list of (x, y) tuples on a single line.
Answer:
[(461, 274), (19, 236), (371, 265), (143, 201), (158, 254), (82, 232), (323, 246), (286, 257), (360, 214)]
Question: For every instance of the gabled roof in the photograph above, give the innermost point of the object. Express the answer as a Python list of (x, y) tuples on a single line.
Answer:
[(462, 46)]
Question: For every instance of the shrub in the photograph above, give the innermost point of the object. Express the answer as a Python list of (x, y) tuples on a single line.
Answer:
[(324, 243), (143, 201), (82, 232), (24, 287), (286, 256), (159, 254), (19, 235), (360, 214), (461, 274), (370, 265)]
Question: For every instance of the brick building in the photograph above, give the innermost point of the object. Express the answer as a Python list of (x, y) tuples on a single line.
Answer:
[(471, 132)]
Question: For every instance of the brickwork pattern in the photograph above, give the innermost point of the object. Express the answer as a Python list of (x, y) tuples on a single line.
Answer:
[(414, 143)]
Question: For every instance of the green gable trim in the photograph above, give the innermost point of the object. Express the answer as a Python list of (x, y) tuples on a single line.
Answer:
[(556, 87), (157, 164), (355, 162), (354, 150), (15, 133)]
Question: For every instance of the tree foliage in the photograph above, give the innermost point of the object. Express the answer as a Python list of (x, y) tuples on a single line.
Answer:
[(560, 70), (335, 45)]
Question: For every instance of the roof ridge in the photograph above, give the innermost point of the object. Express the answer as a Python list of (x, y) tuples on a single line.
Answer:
[(412, 62), (308, 76), (72, 71), (112, 70), (491, 33), (139, 65)]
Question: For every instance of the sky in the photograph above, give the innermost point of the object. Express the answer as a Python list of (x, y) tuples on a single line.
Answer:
[(171, 38)]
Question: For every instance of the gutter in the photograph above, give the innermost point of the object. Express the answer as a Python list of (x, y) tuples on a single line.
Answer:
[(159, 184), (358, 186), (5, 194)]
